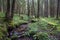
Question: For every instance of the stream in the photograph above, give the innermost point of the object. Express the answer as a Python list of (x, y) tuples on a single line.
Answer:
[(19, 32)]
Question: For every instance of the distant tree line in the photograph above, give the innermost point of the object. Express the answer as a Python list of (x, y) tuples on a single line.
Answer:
[(39, 8)]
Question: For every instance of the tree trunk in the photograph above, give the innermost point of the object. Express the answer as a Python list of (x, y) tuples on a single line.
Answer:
[(52, 9), (9, 15), (12, 9), (57, 10), (48, 8), (33, 11), (38, 13), (28, 8), (8, 11), (0, 5)]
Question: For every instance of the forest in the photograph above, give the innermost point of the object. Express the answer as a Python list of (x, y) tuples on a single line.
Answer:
[(29, 19)]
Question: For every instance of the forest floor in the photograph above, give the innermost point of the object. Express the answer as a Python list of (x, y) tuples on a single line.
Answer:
[(26, 30), (22, 28)]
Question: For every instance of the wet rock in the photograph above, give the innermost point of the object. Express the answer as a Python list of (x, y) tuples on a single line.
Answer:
[(20, 31)]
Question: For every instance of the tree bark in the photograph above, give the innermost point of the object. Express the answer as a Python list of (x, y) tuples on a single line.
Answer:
[(48, 8), (33, 9), (8, 11), (12, 9), (38, 13), (9, 15), (28, 8), (57, 10)]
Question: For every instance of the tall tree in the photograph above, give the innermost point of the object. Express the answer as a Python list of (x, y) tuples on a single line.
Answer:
[(57, 9), (8, 10), (0, 5), (4, 5), (28, 7), (48, 8), (33, 9), (38, 13), (12, 9), (42, 7), (9, 15), (52, 8)]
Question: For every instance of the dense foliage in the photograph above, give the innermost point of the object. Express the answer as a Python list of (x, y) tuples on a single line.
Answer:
[(41, 29)]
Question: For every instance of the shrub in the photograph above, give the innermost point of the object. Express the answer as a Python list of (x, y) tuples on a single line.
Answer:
[(32, 29), (24, 17), (3, 32), (33, 26), (2, 14), (41, 36)]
